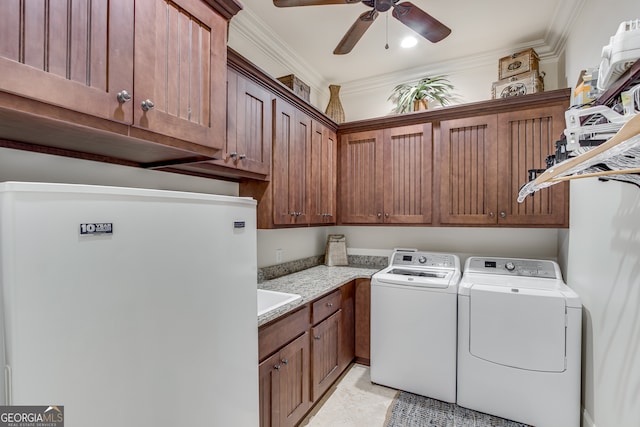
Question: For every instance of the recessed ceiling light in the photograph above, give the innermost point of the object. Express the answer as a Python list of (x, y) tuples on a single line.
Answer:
[(408, 42)]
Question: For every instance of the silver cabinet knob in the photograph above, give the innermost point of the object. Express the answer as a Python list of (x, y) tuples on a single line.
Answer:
[(329, 304), (379, 214), (317, 337), (276, 367), (503, 214), (147, 105), (123, 96), (386, 215), (491, 214), (242, 156), (285, 361), (233, 154)]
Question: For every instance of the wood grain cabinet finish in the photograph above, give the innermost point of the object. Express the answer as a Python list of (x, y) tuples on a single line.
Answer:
[(326, 343), (284, 385), (362, 327), (155, 69), (386, 176), (483, 162), (73, 54), (322, 175), (249, 126)]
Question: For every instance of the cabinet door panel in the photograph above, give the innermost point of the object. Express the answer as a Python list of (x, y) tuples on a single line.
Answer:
[(254, 127), (322, 179), (180, 72), (468, 170), (75, 54), (408, 174), (294, 381), (290, 162), (269, 392), (361, 178), (326, 353), (526, 139)]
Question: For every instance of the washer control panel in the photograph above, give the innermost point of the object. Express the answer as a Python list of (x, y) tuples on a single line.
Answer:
[(423, 259), (513, 267)]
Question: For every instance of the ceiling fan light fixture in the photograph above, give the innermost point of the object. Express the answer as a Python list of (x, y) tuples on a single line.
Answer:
[(408, 42)]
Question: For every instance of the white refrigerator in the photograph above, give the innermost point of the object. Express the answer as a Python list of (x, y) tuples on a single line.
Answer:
[(129, 307)]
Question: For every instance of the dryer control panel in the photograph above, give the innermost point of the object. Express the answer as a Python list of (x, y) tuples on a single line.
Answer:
[(513, 267), (423, 259)]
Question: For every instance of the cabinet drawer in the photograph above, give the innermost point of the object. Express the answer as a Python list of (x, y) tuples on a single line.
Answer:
[(277, 334), (326, 306)]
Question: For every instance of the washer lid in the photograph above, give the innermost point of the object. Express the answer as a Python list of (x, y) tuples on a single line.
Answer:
[(518, 327), (422, 277)]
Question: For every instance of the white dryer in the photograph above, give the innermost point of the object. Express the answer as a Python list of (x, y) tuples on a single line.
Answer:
[(519, 333)]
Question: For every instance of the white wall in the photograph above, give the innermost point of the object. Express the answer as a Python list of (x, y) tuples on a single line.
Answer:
[(603, 253), (16, 165)]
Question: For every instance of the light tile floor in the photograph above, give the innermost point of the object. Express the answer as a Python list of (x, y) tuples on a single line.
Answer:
[(353, 401)]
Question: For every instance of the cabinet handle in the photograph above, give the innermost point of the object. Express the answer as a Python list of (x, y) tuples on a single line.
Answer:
[(379, 214), (386, 215), (242, 156), (276, 367), (503, 214), (123, 96), (329, 304), (296, 214), (233, 154), (285, 361), (491, 214), (147, 105), (317, 337)]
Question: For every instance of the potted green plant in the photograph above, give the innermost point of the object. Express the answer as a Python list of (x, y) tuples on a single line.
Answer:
[(415, 96)]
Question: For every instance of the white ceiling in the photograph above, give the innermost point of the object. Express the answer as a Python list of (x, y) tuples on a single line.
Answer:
[(302, 39)]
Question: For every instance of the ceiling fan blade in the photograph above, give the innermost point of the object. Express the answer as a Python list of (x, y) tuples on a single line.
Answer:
[(420, 21), (356, 31), (292, 3)]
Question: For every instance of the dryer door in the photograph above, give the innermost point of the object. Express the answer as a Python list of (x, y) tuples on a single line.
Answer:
[(518, 327)]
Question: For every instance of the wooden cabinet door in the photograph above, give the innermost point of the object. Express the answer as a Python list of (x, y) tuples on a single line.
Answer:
[(525, 140), (347, 346), (326, 345), (323, 173), (408, 174), (75, 54), (249, 125), (363, 321), (468, 168), (180, 66), (269, 391), (294, 381), (292, 133), (361, 178)]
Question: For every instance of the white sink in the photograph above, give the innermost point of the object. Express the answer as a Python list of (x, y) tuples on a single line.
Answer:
[(270, 300)]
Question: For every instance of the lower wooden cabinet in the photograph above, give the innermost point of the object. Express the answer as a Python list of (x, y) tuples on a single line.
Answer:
[(326, 342), (303, 354), (284, 385)]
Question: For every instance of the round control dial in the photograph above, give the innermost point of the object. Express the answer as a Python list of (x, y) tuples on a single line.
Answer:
[(422, 259), (510, 266)]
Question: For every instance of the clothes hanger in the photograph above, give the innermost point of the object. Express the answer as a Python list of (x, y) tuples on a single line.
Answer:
[(596, 174), (627, 131)]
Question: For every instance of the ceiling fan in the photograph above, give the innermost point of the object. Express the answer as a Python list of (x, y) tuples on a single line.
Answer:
[(406, 12)]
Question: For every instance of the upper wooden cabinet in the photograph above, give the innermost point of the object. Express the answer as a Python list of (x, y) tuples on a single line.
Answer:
[(99, 75), (323, 174), (386, 176), (483, 162), (73, 54), (180, 67)]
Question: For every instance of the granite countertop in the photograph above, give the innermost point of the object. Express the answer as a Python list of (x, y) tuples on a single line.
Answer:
[(311, 284)]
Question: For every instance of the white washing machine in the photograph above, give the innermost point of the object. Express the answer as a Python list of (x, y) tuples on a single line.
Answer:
[(413, 324), (519, 333)]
